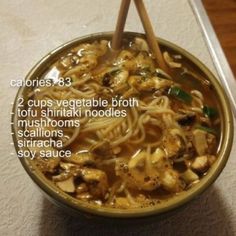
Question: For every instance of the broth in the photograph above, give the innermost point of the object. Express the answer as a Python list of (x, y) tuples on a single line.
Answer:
[(160, 148)]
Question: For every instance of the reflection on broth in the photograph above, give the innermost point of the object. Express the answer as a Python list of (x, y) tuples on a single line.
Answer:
[(161, 148)]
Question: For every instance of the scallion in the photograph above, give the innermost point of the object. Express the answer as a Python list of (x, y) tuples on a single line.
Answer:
[(206, 129), (209, 111), (180, 94)]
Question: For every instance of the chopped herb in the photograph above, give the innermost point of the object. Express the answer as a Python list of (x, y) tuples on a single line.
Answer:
[(115, 72), (207, 129), (180, 94), (209, 111)]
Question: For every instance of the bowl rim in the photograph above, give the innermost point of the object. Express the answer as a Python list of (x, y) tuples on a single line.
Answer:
[(171, 204)]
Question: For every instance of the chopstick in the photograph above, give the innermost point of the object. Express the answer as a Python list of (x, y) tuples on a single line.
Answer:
[(116, 39), (153, 44)]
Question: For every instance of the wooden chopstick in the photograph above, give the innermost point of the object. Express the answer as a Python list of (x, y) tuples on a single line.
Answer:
[(117, 37), (153, 44)]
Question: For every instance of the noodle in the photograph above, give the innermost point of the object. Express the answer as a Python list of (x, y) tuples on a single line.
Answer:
[(136, 159)]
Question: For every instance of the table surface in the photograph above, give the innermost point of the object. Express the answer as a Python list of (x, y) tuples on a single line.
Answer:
[(223, 18), (29, 29)]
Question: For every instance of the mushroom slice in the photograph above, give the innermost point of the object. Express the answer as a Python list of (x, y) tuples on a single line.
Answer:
[(173, 144), (82, 159), (200, 141), (185, 117), (140, 83), (67, 185), (102, 149), (70, 170), (62, 176), (189, 176), (67, 166), (170, 180), (46, 164), (97, 180), (200, 164), (143, 174), (141, 44), (170, 62), (122, 202)]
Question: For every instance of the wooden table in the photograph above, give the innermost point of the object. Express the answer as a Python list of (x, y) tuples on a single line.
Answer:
[(223, 17)]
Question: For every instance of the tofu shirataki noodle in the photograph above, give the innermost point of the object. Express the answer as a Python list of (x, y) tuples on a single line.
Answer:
[(160, 148)]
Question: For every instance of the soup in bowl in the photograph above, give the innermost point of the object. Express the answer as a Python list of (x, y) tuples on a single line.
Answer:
[(112, 134)]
